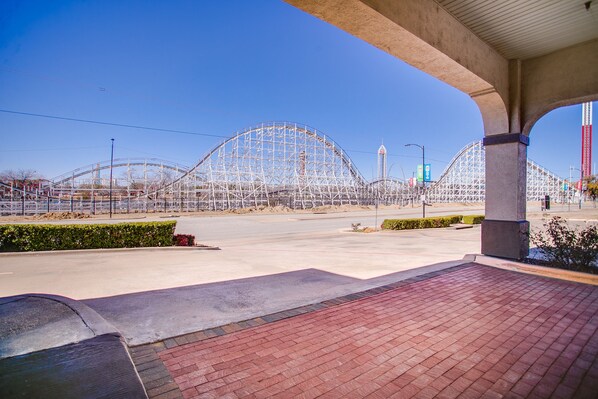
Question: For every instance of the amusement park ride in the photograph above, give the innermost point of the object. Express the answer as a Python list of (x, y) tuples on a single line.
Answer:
[(270, 164)]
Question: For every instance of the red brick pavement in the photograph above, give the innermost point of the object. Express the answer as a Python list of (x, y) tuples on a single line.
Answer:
[(470, 332)]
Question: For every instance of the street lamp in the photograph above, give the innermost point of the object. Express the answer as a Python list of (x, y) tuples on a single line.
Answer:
[(423, 175), (580, 183), (111, 163)]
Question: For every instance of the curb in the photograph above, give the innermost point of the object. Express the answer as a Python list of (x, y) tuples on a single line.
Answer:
[(96, 323), (109, 250), (543, 271)]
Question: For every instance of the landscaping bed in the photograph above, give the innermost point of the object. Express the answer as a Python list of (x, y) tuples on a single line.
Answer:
[(431, 222), (563, 247), (49, 237)]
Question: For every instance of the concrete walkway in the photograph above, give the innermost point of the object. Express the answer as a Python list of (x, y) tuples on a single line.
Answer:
[(471, 331)]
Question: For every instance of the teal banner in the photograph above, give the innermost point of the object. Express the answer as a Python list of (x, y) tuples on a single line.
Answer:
[(427, 172)]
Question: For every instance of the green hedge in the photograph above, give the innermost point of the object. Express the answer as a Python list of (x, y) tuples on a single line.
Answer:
[(48, 237), (420, 223), (473, 219)]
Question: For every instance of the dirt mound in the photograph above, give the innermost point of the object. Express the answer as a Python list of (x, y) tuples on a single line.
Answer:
[(62, 215), (338, 208), (261, 209), (286, 209)]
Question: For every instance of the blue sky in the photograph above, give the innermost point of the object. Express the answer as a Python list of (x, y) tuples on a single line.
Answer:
[(216, 68)]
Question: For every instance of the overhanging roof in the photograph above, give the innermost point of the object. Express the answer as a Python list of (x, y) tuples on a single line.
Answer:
[(523, 29)]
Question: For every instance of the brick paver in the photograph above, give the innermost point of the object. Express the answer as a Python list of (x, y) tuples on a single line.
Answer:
[(468, 332)]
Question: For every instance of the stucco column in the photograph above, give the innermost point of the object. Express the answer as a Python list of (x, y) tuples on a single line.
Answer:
[(505, 230)]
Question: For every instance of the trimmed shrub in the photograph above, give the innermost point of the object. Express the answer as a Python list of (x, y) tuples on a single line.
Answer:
[(566, 247), (420, 223), (473, 219), (48, 237), (184, 240)]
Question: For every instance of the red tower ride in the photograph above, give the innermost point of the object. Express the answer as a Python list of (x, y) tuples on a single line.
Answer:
[(586, 140)]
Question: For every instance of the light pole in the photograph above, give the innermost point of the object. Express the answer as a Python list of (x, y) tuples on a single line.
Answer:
[(569, 191), (111, 163), (423, 176), (580, 183)]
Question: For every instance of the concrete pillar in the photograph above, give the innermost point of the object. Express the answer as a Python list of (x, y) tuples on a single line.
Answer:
[(511, 94), (505, 230)]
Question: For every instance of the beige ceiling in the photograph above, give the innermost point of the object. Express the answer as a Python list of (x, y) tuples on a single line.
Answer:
[(522, 29)]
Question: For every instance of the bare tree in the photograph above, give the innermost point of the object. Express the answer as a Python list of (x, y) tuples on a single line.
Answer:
[(20, 178)]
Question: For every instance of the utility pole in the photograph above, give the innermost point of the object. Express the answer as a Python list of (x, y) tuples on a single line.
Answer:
[(569, 191), (580, 183), (111, 164), (423, 176), (377, 201), (581, 188)]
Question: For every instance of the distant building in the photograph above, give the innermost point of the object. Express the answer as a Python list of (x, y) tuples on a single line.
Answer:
[(382, 168)]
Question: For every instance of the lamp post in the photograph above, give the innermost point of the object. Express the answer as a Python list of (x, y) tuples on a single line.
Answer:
[(580, 183), (423, 176), (111, 163), (569, 190)]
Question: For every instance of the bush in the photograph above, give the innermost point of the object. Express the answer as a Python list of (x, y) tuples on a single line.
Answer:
[(473, 219), (184, 240), (420, 223), (568, 248), (48, 237)]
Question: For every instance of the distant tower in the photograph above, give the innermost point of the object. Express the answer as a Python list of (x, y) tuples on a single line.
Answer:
[(586, 139), (96, 176), (382, 163)]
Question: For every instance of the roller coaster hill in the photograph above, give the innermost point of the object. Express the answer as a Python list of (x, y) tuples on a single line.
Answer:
[(271, 164)]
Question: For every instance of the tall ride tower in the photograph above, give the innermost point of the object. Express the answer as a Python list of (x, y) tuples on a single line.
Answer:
[(586, 139), (382, 163)]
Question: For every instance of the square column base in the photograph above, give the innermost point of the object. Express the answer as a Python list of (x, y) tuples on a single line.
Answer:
[(505, 238)]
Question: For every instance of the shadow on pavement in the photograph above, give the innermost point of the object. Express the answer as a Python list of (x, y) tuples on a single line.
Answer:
[(94, 368), (155, 315), (152, 316)]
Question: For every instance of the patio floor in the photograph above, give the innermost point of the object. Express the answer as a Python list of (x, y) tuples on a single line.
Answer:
[(470, 331)]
